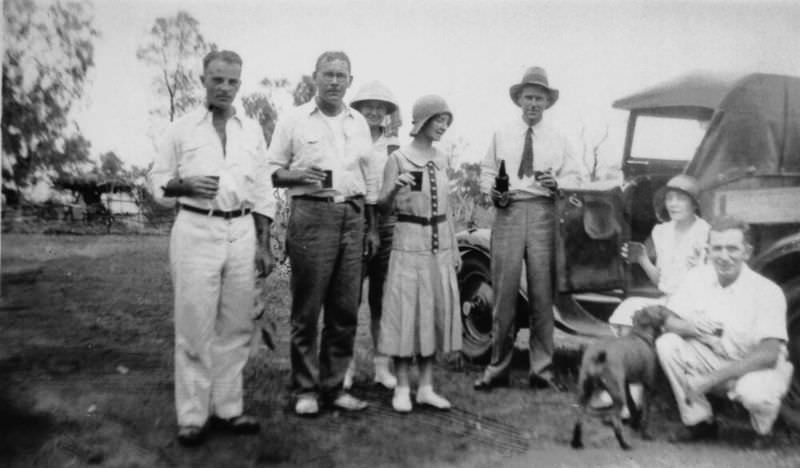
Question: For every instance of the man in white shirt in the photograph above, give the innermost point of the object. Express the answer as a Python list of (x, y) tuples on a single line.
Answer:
[(535, 155), (728, 336), (214, 162), (320, 151)]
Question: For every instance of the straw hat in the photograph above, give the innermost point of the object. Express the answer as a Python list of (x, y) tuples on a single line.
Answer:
[(375, 91), (425, 108), (534, 76), (683, 183)]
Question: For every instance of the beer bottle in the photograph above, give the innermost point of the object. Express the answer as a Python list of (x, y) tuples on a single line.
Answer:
[(501, 180)]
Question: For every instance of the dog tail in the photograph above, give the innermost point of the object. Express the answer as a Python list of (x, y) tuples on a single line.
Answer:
[(600, 358)]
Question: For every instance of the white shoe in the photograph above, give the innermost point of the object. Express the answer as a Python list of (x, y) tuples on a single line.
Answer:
[(600, 399), (349, 375), (306, 406), (382, 374), (401, 401), (426, 396)]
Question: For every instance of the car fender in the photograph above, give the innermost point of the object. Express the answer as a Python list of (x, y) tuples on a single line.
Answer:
[(779, 262)]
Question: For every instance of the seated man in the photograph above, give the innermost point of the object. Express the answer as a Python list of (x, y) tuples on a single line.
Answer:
[(729, 336)]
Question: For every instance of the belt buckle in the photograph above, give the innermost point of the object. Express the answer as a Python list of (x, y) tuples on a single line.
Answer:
[(339, 199)]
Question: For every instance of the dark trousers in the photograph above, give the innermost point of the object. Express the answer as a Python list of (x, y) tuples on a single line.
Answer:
[(523, 232), (325, 244), (375, 269)]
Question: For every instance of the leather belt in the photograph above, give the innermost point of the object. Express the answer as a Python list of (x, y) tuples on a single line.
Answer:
[(406, 218), (217, 213), (351, 200)]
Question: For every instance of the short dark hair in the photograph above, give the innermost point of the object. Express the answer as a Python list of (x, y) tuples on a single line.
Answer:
[(726, 223), (227, 56), (330, 55)]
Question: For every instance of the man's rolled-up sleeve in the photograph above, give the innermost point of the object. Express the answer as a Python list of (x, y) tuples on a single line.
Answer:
[(165, 168), (279, 155), (572, 172), (264, 202)]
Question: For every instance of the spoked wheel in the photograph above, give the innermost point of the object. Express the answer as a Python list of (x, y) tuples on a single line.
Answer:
[(790, 411), (477, 300)]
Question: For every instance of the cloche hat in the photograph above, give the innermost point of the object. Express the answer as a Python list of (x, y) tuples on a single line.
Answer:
[(683, 183), (534, 76), (375, 91), (425, 108)]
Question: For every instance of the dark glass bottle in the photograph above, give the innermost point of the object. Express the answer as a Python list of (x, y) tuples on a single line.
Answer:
[(501, 181)]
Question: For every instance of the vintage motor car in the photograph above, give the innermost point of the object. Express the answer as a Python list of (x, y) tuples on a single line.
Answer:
[(740, 138)]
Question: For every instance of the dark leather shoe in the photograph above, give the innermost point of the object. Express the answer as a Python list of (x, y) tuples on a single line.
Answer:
[(242, 424), (545, 382), (703, 431), (191, 436), (484, 384)]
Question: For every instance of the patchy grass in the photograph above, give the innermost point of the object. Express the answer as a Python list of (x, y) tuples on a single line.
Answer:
[(86, 366)]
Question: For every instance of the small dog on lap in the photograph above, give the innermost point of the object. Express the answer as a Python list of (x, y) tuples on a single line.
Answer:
[(611, 365)]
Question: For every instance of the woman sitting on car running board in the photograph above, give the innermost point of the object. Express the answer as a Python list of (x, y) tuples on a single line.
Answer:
[(679, 243)]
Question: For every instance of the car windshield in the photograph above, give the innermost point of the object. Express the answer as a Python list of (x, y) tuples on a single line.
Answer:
[(667, 138)]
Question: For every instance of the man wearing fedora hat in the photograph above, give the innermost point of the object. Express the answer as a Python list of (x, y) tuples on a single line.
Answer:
[(538, 158)]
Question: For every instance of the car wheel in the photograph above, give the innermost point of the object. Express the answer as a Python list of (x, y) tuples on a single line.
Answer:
[(477, 300), (791, 407)]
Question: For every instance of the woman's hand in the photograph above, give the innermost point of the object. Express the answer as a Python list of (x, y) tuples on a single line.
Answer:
[(403, 180), (633, 252)]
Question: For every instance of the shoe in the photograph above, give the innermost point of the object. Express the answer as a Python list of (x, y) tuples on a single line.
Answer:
[(600, 400), (485, 384), (348, 402), (401, 401), (426, 396), (382, 374), (242, 424), (699, 432), (306, 406), (545, 382), (349, 375), (191, 436)]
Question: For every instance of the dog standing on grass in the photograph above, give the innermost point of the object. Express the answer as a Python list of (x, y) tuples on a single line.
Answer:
[(613, 364)]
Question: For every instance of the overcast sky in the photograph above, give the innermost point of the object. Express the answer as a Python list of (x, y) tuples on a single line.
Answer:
[(468, 51)]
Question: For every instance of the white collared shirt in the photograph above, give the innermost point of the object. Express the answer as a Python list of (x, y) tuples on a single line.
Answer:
[(748, 310), (304, 137), (192, 147), (551, 151)]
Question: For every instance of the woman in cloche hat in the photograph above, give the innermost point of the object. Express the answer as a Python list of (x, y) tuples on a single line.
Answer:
[(678, 243), (377, 104), (421, 314)]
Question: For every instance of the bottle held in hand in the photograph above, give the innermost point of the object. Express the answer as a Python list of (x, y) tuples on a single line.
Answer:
[(501, 180)]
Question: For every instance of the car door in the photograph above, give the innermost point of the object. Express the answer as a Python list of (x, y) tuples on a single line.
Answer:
[(589, 232)]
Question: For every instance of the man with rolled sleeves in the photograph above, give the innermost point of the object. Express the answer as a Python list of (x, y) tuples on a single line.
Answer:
[(320, 151), (537, 158), (213, 161), (728, 336)]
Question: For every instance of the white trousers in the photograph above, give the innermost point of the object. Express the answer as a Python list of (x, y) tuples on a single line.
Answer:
[(760, 392), (213, 272)]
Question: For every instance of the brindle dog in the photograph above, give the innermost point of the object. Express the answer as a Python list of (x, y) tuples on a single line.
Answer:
[(613, 364)]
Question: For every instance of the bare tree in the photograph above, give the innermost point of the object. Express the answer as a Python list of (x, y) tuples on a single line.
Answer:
[(173, 50), (590, 153)]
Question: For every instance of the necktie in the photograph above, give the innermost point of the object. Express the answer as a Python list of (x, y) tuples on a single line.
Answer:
[(526, 165)]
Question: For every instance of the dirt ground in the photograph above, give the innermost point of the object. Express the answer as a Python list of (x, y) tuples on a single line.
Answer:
[(86, 380)]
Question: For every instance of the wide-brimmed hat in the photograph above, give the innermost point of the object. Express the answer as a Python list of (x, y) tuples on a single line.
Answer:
[(683, 183), (375, 91), (425, 108), (534, 76)]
